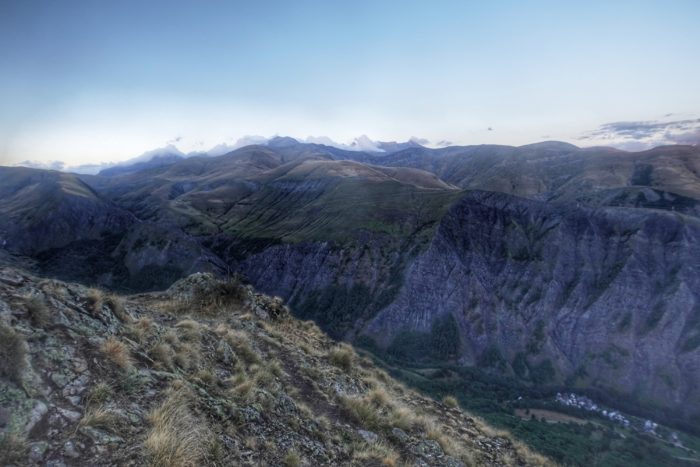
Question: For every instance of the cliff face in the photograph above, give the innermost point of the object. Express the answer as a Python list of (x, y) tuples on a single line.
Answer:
[(606, 298)]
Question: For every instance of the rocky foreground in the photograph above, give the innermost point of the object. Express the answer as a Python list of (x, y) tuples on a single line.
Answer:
[(207, 373)]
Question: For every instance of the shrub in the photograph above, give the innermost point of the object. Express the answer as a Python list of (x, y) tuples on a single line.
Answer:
[(117, 352), (13, 353), (342, 356)]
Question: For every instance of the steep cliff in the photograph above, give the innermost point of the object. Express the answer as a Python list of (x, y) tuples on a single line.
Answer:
[(606, 298)]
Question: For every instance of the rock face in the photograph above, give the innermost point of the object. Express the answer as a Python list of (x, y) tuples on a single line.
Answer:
[(90, 379), (607, 298)]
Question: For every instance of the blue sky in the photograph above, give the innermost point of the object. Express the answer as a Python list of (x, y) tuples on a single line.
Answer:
[(98, 81)]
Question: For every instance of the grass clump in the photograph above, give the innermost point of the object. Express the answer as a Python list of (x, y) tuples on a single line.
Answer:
[(240, 343), (177, 437), (116, 304), (378, 453), (342, 356), (13, 449), (13, 352), (450, 401), (94, 300), (362, 411), (117, 352), (99, 394), (189, 329), (292, 459), (163, 355), (99, 417), (37, 311)]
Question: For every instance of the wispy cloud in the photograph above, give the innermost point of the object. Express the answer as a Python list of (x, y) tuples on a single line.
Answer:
[(645, 133)]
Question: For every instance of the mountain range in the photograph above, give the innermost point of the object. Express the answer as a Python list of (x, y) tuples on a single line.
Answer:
[(552, 264)]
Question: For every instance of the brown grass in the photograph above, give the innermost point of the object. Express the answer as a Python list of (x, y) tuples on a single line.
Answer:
[(177, 437), (292, 459), (163, 355), (342, 356), (13, 449), (189, 330), (37, 311), (117, 352), (99, 417), (450, 401), (116, 304), (94, 299), (13, 352)]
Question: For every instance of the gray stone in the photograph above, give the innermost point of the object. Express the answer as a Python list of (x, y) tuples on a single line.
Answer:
[(369, 436)]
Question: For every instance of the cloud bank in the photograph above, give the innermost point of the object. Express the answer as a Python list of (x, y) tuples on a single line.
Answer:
[(639, 135)]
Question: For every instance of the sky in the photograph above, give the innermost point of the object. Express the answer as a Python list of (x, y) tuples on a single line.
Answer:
[(86, 82)]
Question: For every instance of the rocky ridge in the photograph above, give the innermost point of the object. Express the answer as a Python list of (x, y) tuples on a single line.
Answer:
[(209, 372)]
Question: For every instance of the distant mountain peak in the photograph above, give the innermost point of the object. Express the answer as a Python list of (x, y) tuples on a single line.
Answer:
[(282, 141)]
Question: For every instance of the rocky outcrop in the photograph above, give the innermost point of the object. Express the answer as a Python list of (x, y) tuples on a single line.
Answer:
[(93, 379)]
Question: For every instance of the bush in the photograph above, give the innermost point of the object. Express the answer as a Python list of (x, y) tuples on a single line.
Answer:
[(12, 354)]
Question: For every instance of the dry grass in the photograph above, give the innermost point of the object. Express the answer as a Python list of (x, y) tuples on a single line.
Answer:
[(99, 395), (163, 355), (116, 304), (240, 343), (292, 459), (177, 437), (13, 449), (450, 401), (378, 453), (530, 457), (99, 417), (342, 356), (94, 299), (37, 311), (13, 352), (188, 357), (117, 352), (141, 329), (189, 330), (207, 378), (363, 412)]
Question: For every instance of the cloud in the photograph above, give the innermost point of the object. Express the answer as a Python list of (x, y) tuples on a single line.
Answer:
[(47, 165), (224, 148), (644, 134)]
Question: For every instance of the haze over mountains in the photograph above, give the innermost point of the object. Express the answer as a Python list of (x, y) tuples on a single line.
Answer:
[(550, 263)]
